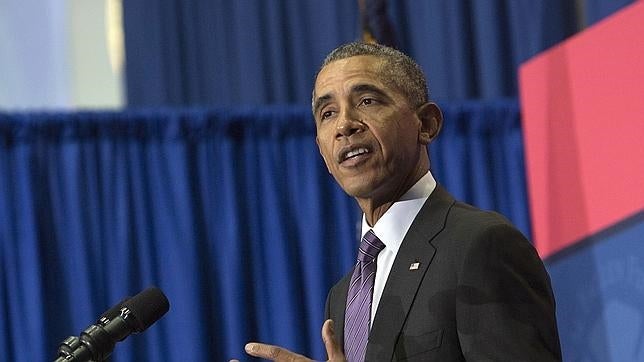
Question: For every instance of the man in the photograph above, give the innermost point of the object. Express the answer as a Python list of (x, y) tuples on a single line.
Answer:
[(451, 282)]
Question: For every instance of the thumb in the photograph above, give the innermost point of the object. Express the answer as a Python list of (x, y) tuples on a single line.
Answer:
[(333, 350)]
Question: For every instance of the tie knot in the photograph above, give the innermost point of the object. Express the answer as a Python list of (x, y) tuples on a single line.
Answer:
[(370, 246)]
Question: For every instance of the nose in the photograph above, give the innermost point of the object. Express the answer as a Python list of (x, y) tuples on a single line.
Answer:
[(348, 124)]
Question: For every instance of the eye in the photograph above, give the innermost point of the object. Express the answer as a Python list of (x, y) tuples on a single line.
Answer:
[(367, 101), (326, 114)]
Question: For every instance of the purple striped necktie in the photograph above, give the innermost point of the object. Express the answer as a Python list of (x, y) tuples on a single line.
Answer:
[(358, 309)]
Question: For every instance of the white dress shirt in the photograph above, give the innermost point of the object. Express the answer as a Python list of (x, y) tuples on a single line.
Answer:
[(392, 227)]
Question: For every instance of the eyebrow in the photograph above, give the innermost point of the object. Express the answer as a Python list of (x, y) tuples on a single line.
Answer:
[(366, 88), (358, 88), (320, 101)]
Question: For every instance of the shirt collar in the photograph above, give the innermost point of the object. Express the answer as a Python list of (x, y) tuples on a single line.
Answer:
[(395, 222)]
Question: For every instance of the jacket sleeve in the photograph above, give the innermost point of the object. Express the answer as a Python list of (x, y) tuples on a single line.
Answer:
[(505, 308)]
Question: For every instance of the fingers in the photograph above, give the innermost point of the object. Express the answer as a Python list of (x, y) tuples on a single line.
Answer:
[(273, 353), (333, 350), (279, 354)]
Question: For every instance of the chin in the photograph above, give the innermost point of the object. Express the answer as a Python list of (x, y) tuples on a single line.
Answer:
[(353, 189), (359, 188)]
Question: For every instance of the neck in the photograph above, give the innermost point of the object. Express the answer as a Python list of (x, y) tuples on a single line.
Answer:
[(373, 213), (374, 207)]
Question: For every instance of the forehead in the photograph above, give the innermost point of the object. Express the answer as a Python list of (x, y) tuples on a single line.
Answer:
[(343, 72)]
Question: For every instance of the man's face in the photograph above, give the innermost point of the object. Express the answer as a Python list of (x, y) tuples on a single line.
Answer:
[(367, 133)]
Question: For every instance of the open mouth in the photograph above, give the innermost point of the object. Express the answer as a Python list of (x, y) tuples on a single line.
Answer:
[(353, 153)]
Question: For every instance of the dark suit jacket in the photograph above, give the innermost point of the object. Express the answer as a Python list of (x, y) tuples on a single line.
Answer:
[(481, 292)]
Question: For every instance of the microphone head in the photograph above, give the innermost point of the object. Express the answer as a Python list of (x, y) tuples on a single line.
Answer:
[(147, 307), (113, 312)]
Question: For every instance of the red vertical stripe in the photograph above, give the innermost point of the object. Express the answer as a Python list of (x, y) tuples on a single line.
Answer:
[(583, 113)]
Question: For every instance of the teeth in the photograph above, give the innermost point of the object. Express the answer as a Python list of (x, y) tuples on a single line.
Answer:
[(356, 152)]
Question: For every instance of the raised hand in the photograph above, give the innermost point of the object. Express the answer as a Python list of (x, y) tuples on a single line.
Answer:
[(279, 354)]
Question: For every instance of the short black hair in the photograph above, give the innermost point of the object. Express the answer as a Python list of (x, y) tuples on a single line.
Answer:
[(398, 70)]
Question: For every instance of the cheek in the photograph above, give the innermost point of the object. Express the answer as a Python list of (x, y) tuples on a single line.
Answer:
[(327, 161), (398, 141), (326, 151), (391, 134)]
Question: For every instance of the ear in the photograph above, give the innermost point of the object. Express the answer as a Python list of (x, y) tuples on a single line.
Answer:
[(431, 121)]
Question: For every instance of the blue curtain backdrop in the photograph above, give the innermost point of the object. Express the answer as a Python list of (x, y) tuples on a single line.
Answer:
[(220, 52), (231, 213)]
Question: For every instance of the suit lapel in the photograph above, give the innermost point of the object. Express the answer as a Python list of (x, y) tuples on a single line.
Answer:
[(405, 276)]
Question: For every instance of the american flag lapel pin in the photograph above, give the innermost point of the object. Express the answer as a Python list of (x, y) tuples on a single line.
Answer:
[(414, 266)]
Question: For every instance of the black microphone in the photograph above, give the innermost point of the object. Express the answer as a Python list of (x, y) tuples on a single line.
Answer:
[(131, 315)]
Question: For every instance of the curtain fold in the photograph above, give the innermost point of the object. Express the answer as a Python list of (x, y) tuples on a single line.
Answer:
[(479, 156), (187, 53), (231, 212)]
